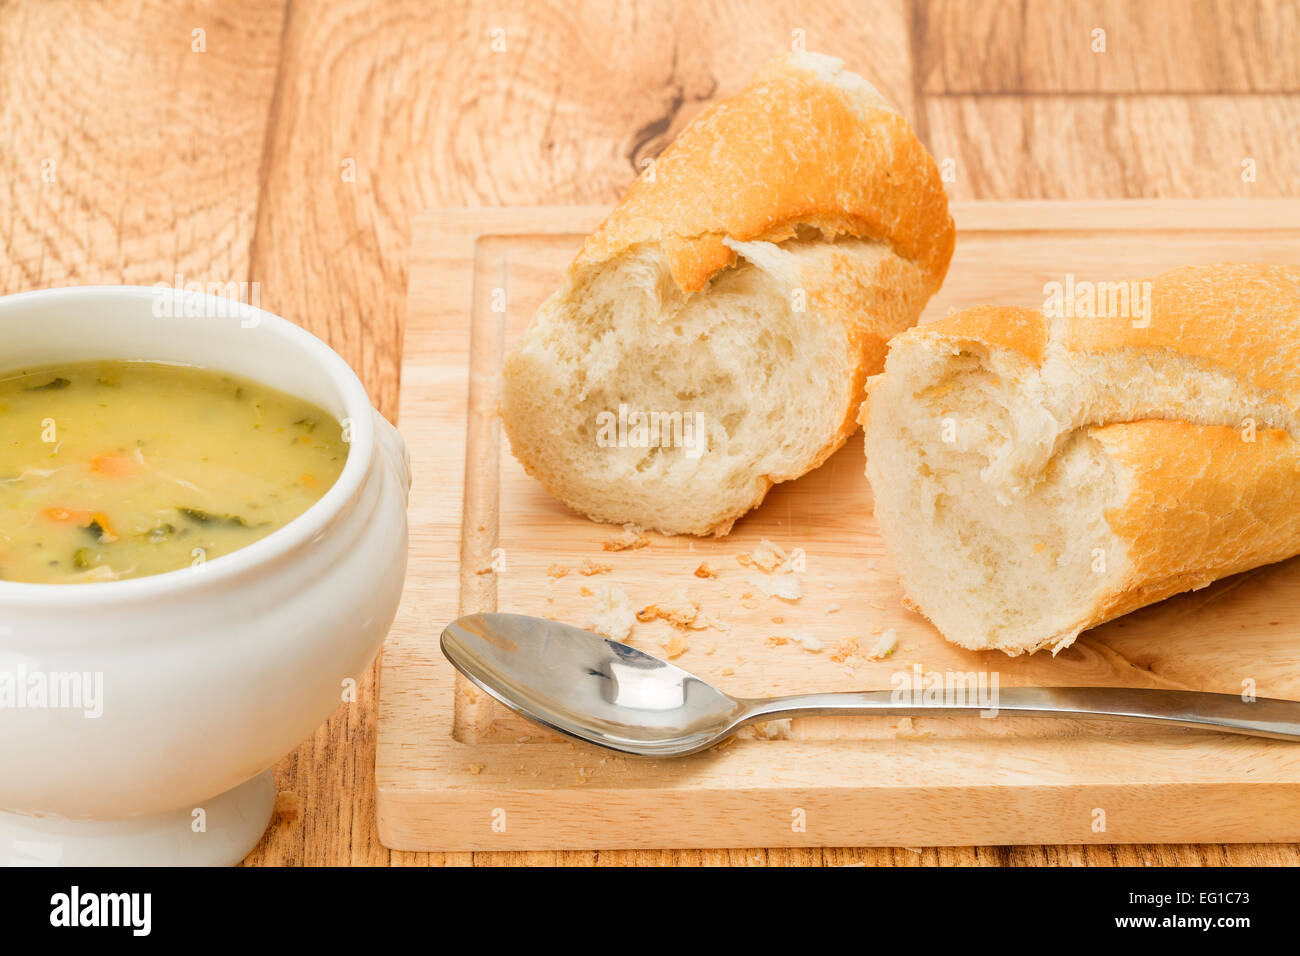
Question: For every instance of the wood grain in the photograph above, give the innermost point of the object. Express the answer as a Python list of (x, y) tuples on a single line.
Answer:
[(115, 168), (1155, 46), (227, 166), (1095, 147)]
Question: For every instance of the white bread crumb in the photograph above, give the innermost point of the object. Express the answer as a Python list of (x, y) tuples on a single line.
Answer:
[(766, 557), (613, 615), (778, 729), (809, 643), (883, 647), (783, 586)]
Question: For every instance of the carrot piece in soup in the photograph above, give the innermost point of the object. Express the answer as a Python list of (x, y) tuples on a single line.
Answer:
[(110, 465)]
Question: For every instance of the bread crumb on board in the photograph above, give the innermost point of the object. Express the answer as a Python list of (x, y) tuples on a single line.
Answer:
[(778, 729), (855, 651), (844, 651), (766, 557), (778, 578), (809, 643), (812, 645), (679, 609), (905, 730), (806, 641), (557, 571), (629, 539), (590, 567), (705, 570), (613, 616), (784, 585), (884, 647), (675, 647)]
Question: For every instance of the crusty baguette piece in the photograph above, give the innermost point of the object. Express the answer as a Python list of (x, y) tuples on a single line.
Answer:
[(749, 282), (1034, 477)]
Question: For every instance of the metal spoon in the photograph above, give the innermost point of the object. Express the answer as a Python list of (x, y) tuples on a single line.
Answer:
[(615, 696)]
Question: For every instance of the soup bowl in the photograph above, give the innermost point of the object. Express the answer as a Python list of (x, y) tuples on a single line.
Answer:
[(139, 718)]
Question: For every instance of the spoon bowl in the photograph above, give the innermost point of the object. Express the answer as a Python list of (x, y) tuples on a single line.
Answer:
[(589, 686)]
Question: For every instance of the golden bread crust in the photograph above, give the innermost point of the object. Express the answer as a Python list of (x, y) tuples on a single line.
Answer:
[(1241, 317), (1204, 503), (790, 149), (1022, 331)]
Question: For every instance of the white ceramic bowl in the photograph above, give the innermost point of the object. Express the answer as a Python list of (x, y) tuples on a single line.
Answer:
[(209, 674)]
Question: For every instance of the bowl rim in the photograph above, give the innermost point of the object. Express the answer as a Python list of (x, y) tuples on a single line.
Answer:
[(294, 534)]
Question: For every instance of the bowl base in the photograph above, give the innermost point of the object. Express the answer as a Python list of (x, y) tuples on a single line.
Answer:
[(229, 825)]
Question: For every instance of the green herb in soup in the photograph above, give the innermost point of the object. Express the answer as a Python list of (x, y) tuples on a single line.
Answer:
[(115, 470)]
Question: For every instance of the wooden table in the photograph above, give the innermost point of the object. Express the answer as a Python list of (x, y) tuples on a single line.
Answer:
[(289, 142)]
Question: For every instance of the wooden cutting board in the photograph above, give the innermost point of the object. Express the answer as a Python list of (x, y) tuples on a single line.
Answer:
[(458, 772)]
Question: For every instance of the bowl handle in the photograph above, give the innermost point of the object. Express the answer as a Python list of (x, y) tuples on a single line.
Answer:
[(393, 447)]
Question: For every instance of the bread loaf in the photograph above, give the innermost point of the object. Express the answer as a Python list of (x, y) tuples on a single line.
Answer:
[(714, 335), (1035, 475)]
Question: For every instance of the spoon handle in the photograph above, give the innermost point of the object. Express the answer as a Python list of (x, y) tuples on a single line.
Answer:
[(1262, 717)]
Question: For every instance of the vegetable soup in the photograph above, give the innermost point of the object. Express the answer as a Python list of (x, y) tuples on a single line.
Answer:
[(114, 470)]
